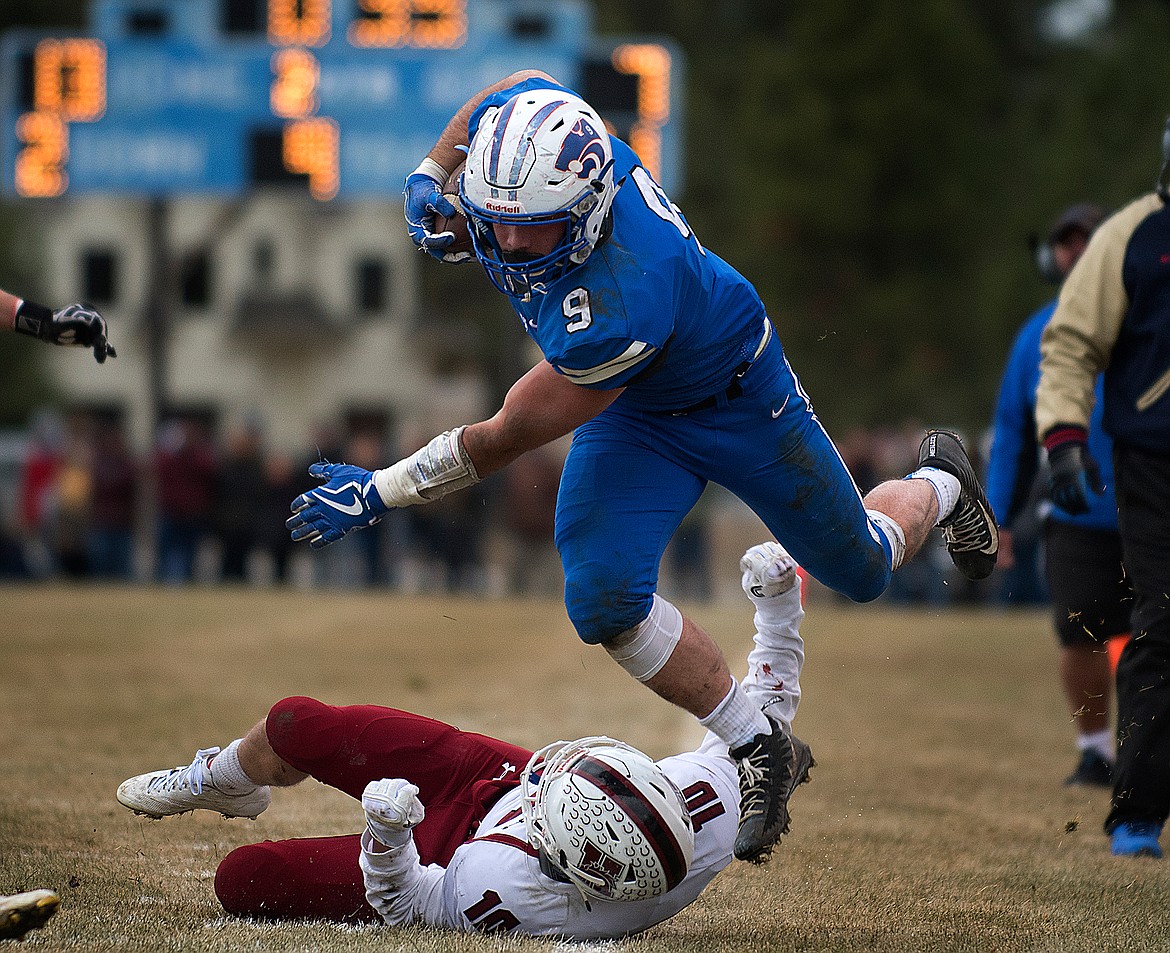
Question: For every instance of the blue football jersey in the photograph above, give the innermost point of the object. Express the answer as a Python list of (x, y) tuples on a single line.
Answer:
[(650, 309)]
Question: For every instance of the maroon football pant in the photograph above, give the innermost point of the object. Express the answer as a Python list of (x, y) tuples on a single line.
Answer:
[(459, 774)]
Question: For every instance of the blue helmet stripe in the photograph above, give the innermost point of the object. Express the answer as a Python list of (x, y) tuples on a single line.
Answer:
[(498, 140), (533, 124)]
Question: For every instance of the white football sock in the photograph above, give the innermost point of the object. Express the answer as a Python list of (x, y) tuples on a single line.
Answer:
[(736, 719), (1099, 741), (225, 772), (946, 488)]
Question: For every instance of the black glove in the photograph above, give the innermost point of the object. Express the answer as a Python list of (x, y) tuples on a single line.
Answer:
[(1073, 472), (75, 324)]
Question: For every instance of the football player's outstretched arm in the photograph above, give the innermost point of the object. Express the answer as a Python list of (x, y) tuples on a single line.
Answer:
[(398, 886), (540, 407), (79, 325)]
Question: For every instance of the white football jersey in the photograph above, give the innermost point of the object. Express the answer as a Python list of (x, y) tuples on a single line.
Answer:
[(494, 881)]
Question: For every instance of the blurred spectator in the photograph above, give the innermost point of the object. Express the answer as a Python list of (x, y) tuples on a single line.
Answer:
[(114, 479), (38, 480), (1091, 594), (446, 535), (360, 559), (185, 470), (240, 498), (282, 484), (858, 450), (71, 503), (529, 502), (365, 449)]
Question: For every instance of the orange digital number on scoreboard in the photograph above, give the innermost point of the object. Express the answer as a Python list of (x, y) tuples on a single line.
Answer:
[(428, 24), (294, 90), (69, 85), (650, 62), (312, 147), (299, 22), (69, 79), (40, 165)]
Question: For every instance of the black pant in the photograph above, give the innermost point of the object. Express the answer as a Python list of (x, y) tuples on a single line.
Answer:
[(1142, 789)]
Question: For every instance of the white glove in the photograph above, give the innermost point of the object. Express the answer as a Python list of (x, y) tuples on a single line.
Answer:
[(392, 810), (768, 571)]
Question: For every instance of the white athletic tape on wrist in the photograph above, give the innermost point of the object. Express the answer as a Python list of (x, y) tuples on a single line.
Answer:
[(644, 649), (439, 468), (429, 167)]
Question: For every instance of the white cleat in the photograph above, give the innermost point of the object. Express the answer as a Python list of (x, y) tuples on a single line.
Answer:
[(768, 571), (188, 788), (22, 912)]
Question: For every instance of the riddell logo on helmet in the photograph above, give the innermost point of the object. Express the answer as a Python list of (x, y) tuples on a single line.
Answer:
[(502, 207)]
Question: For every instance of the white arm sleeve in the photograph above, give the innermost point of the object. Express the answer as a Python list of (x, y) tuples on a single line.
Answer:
[(399, 887), (774, 665)]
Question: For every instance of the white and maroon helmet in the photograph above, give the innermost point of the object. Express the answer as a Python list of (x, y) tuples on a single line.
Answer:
[(544, 156), (606, 816)]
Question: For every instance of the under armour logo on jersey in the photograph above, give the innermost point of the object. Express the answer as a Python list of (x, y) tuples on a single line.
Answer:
[(582, 152)]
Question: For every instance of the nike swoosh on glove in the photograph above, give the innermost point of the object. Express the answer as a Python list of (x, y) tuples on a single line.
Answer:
[(348, 500)]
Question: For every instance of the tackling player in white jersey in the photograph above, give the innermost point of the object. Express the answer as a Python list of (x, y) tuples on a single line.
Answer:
[(583, 839)]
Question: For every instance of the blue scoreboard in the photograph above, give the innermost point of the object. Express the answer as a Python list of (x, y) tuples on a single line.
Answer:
[(339, 97)]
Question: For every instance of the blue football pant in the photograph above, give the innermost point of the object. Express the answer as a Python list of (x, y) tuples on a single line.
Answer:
[(631, 476)]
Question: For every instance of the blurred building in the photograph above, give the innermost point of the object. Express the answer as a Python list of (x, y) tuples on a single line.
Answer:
[(304, 311)]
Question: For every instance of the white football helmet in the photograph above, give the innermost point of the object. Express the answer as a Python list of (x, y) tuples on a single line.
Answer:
[(542, 157), (605, 815)]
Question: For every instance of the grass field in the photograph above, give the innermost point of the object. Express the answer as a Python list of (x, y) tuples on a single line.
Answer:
[(935, 819)]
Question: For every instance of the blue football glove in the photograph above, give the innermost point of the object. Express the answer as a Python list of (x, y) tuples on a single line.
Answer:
[(423, 197), (348, 500), (1073, 472)]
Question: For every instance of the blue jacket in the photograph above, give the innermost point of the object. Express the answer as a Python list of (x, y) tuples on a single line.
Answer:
[(1015, 458)]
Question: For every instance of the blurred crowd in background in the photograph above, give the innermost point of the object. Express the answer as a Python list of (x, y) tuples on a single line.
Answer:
[(208, 505)]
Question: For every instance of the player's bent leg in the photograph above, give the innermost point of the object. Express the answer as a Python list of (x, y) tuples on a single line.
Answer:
[(459, 774), (312, 877), (807, 498)]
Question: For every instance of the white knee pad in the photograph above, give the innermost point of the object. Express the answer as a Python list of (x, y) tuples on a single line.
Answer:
[(893, 534), (644, 649)]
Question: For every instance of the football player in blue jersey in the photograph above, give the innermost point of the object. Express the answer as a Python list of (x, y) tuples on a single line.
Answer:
[(662, 361)]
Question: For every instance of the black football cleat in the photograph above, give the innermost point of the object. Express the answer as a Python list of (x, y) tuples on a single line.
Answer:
[(970, 532), (770, 768), (1093, 769)]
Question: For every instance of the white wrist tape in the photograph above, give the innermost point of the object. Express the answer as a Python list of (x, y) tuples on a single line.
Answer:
[(439, 468), (430, 168)]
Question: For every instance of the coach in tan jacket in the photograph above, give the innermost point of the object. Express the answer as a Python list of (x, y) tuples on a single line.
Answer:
[(1114, 316)]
